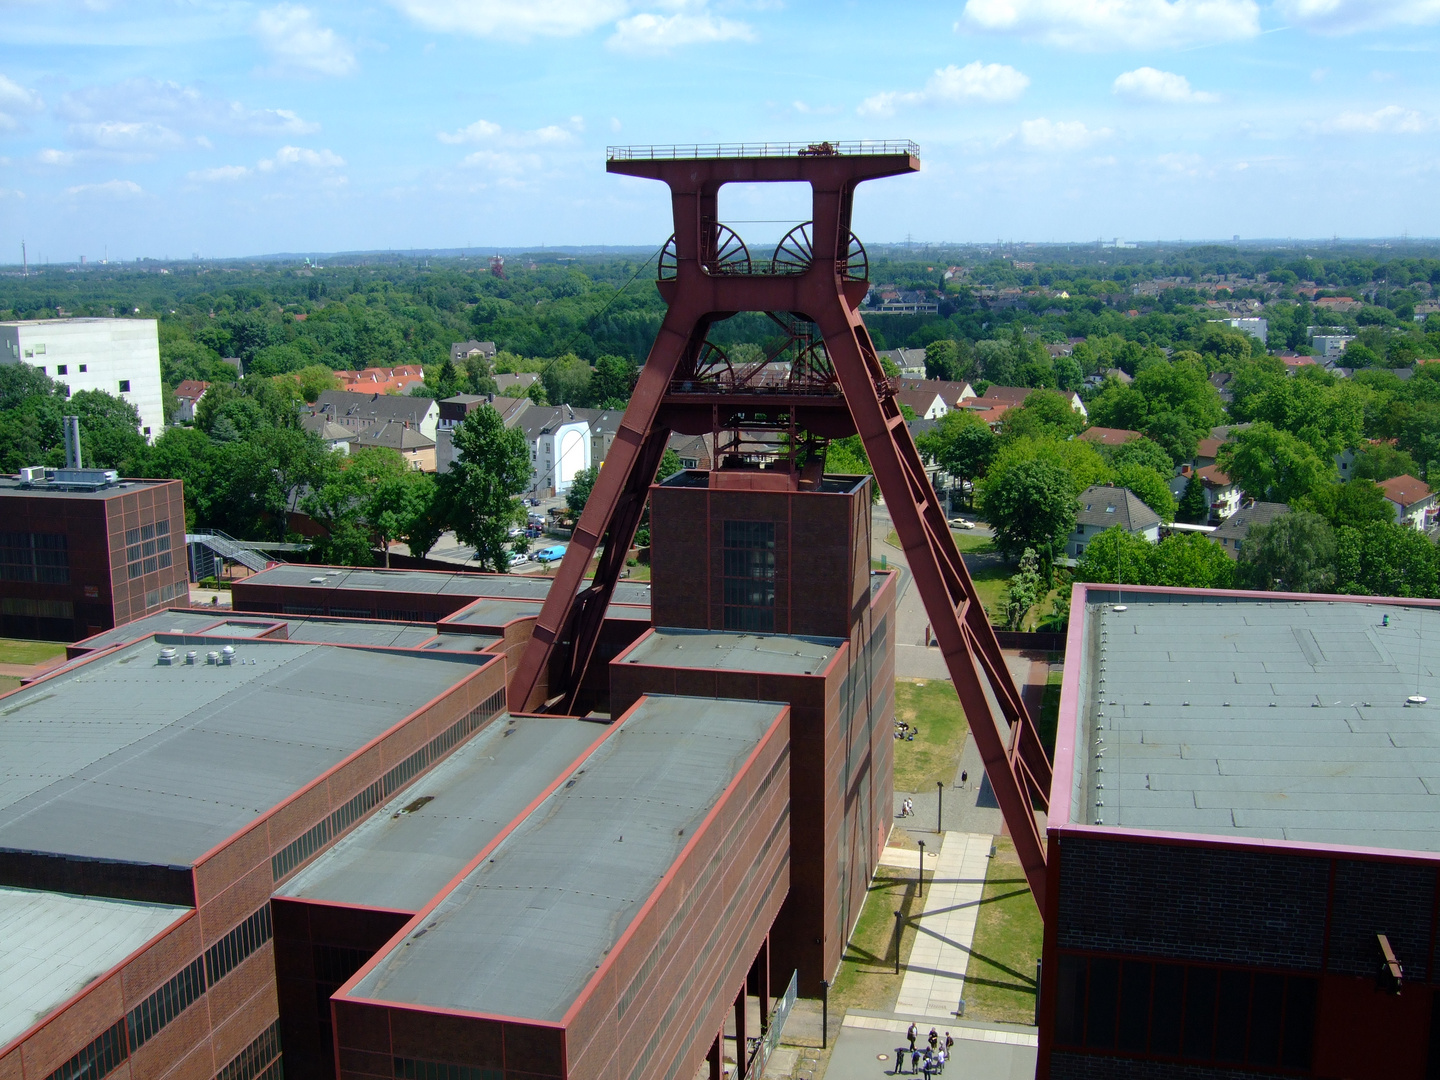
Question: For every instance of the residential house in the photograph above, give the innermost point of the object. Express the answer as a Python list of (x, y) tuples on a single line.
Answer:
[(1016, 395), (1221, 381), (453, 411), (376, 380), (1411, 499), (1256, 328), (1338, 303), (1222, 495), (991, 412), (692, 450), (910, 361), (335, 437), (464, 350), (515, 385), (954, 394), (361, 411), (1330, 346), (417, 449), (901, 302), (1231, 532), (604, 426), (1294, 361), (926, 404), (187, 399), (1109, 436), (559, 448), (1103, 506), (1206, 452)]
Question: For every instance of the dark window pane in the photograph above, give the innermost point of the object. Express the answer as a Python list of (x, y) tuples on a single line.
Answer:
[(1199, 1013), (1299, 1022), (1234, 1016), (1100, 1008), (1134, 1005), (1165, 1018), (1265, 1001), (1070, 1001)]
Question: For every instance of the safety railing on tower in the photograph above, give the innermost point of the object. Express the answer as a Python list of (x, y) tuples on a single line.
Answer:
[(863, 147)]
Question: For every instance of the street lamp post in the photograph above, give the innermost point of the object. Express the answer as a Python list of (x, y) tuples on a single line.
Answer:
[(920, 881)]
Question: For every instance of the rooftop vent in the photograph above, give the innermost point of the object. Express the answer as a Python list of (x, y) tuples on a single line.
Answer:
[(167, 657)]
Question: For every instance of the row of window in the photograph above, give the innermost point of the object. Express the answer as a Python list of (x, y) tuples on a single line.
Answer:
[(37, 609), (147, 548), (748, 555), (258, 1061), (1185, 1011), (29, 556), (412, 1069), (142, 1023), (166, 593), (312, 840)]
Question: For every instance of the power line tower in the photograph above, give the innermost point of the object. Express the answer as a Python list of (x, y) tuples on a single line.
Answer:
[(823, 382)]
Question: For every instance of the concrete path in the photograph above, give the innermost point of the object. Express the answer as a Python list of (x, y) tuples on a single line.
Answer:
[(935, 972), (866, 1053)]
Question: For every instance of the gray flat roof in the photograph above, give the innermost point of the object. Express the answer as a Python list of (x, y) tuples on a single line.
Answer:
[(53, 945), (775, 654), (522, 934), (120, 758), (459, 583), (488, 612), (174, 621), (464, 642), (1281, 719), (13, 487), (328, 630), (389, 635), (402, 861)]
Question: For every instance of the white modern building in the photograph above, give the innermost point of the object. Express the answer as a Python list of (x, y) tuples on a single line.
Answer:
[(559, 448), (1256, 328), (118, 356)]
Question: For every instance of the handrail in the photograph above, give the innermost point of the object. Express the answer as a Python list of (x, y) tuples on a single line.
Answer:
[(860, 148)]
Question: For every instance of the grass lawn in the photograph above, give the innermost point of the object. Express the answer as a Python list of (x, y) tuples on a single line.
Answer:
[(8, 683), (1000, 979), (934, 707), (15, 651), (966, 541), (867, 978)]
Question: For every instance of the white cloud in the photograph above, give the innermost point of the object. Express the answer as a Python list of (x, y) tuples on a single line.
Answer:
[(479, 131), (511, 20), (1043, 134), (975, 82), (50, 156), (1115, 24), (650, 33), (14, 98), (1349, 16), (502, 162), (220, 174), (1150, 84), (288, 156), (133, 136), (300, 45), (1391, 120), (115, 189), (182, 108)]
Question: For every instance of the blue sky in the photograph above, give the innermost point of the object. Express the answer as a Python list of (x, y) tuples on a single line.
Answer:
[(171, 127)]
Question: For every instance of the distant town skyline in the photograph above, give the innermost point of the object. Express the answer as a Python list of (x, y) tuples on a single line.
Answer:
[(167, 128)]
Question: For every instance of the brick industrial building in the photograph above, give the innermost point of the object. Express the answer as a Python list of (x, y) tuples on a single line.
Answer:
[(1242, 837), (314, 833), (82, 550)]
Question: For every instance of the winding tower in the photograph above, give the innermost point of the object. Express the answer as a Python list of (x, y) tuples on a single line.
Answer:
[(771, 417)]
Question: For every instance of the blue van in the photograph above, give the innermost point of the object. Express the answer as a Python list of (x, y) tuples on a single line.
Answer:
[(553, 553)]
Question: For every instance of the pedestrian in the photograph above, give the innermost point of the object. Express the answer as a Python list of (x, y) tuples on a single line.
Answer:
[(949, 1042), (914, 1061), (940, 1060), (964, 777), (934, 1038), (912, 1034)]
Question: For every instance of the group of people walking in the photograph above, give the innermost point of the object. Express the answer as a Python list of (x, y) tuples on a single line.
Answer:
[(929, 1058)]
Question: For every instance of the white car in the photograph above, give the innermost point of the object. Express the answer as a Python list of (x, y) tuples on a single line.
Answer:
[(516, 558), (961, 523)]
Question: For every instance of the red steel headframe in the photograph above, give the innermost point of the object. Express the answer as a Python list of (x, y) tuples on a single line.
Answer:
[(699, 292)]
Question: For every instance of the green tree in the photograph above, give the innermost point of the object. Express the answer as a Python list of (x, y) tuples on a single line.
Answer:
[(1354, 503), (1273, 465), (181, 453), (1193, 508), (942, 361), (580, 488), (479, 493), (447, 380), (1030, 504), (1044, 414), (1295, 552), (1382, 558), (1150, 487), (1381, 461), (1146, 452), (567, 380), (1190, 561), (962, 444), (109, 428), (1115, 557), (612, 382), (1025, 590), (314, 380)]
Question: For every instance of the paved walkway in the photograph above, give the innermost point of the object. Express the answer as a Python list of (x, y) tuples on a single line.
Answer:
[(935, 973)]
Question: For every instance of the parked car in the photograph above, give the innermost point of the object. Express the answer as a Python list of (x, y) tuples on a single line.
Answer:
[(961, 523), (553, 553), (517, 557)]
